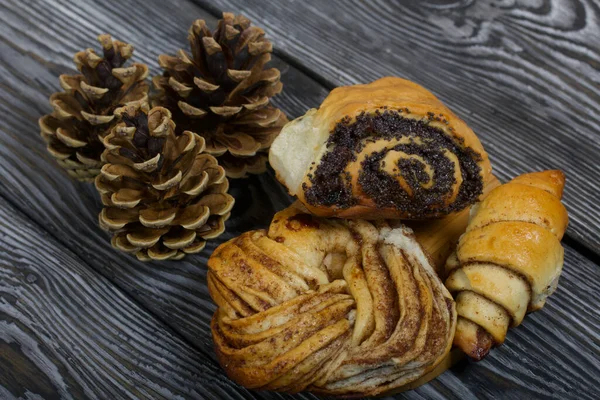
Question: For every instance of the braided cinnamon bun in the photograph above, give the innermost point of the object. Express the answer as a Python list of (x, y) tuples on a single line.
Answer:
[(337, 307), (509, 260), (388, 149)]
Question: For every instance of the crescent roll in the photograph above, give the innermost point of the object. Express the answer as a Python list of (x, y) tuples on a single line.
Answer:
[(387, 149), (509, 260)]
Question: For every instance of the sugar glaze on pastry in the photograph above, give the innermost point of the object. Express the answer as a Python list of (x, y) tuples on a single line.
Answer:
[(388, 149), (509, 260), (337, 307)]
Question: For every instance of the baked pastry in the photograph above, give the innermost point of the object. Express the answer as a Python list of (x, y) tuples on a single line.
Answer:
[(388, 149), (337, 307), (509, 260), (439, 237)]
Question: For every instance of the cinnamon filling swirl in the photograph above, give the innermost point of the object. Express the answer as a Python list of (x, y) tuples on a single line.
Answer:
[(397, 162), (338, 307)]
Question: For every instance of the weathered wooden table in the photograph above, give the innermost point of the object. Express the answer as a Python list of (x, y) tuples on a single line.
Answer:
[(79, 320)]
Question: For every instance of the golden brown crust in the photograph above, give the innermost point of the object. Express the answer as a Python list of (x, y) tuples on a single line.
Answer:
[(347, 308), (395, 93), (440, 236), (525, 248), (472, 339), (521, 202), (509, 260), (552, 181), (399, 99)]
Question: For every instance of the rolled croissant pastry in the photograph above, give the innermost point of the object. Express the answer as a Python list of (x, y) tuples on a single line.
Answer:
[(388, 149), (347, 308), (509, 260)]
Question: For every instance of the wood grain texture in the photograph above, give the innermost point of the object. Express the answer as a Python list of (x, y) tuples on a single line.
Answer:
[(30, 64), (525, 75), (67, 332), (552, 355)]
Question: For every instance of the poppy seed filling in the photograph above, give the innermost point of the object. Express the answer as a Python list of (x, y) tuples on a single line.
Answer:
[(331, 184)]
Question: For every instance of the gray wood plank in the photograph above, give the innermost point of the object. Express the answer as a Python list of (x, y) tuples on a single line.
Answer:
[(30, 63), (525, 75), (67, 332), (175, 291)]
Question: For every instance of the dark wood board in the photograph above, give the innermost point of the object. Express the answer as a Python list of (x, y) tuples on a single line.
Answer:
[(32, 181), (525, 75), (68, 332), (545, 358)]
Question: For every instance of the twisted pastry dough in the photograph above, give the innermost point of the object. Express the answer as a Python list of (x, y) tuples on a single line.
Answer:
[(388, 149), (509, 260), (336, 307)]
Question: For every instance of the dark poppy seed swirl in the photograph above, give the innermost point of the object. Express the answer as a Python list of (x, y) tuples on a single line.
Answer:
[(396, 162)]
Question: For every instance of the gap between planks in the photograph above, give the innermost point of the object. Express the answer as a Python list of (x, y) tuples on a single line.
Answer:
[(582, 232), (66, 364), (176, 292), (165, 325), (137, 302), (215, 11)]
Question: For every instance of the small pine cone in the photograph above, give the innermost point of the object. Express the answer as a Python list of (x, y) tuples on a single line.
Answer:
[(83, 113), (163, 195), (221, 91)]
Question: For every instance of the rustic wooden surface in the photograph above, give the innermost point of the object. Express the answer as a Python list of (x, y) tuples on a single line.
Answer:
[(523, 74), (78, 320)]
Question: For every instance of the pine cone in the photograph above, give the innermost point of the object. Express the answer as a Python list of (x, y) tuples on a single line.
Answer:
[(163, 196), (83, 113), (221, 91)]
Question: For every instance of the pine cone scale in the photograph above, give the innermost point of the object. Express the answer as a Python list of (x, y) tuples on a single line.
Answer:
[(212, 229), (180, 240), (225, 111), (58, 154), (257, 103), (190, 111), (193, 217), (126, 198), (181, 89), (237, 75), (195, 185), (120, 242), (94, 119), (89, 162), (217, 203), (144, 237), (164, 183), (116, 218), (112, 171), (92, 92), (205, 86), (153, 218), (240, 144), (65, 137)]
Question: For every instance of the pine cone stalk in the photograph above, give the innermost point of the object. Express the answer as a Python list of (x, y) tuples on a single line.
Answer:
[(163, 196), (83, 112), (222, 91)]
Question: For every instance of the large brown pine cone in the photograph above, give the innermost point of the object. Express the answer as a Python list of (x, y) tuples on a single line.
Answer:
[(163, 196), (83, 113), (221, 91)]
